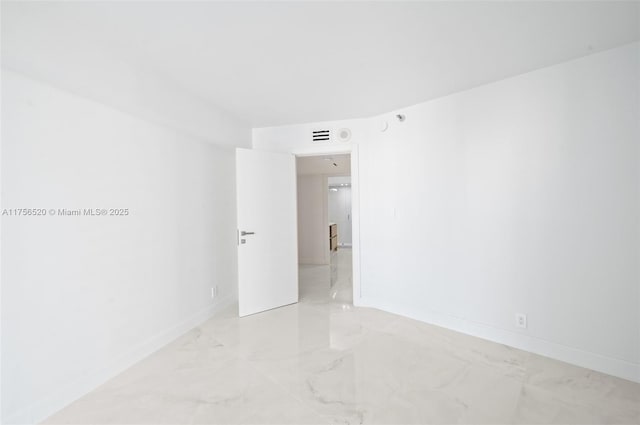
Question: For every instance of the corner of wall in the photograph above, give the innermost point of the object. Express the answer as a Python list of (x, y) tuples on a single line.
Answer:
[(47, 406)]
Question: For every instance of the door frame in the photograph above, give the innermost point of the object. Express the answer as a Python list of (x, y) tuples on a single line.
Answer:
[(355, 205)]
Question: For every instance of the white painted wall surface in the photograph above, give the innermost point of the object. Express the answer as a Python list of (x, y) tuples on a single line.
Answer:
[(313, 224), (85, 297), (297, 138), (517, 196), (108, 75)]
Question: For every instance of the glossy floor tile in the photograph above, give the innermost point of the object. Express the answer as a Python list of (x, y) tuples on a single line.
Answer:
[(324, 361)]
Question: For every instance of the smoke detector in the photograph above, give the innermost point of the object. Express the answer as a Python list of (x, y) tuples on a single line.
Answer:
[(344, 134)]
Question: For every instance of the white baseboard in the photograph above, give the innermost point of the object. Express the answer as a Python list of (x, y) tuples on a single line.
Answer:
[(67, 394), (611, 366)]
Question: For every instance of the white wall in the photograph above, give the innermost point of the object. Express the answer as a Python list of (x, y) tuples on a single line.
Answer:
[(313, 226), (85, 297), (297, 138), (107, 75), (517, 196)]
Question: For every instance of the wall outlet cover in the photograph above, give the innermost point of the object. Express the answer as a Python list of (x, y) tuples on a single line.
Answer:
[(521, 320)]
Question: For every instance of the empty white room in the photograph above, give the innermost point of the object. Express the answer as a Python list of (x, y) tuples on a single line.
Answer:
[(328, 212)]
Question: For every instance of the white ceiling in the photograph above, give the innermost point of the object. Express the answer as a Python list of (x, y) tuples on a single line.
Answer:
[(273, 63), (336, 165)]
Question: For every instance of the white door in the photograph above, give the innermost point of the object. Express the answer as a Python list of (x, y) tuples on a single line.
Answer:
[(267, 230)]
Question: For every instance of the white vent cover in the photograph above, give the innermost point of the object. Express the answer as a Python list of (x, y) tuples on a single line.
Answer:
[(344, 134), (321, 135)]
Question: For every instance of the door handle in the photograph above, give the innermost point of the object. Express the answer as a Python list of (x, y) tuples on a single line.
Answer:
[(243, 233)]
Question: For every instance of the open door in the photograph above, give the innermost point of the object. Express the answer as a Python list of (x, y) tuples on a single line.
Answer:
[(267, 230)]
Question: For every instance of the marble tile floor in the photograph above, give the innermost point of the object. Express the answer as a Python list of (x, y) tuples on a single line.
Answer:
[(324, 361)]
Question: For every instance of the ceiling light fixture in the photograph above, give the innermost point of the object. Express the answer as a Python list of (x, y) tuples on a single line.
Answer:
[(332, 161)]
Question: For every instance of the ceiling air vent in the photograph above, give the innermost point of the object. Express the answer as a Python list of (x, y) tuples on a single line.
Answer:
[(321, 136)]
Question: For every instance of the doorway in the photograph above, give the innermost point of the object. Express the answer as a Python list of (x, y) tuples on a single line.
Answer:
[(324, 201)]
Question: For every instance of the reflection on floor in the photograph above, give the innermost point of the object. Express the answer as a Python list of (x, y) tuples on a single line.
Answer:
[(323, 284), (325, 361)]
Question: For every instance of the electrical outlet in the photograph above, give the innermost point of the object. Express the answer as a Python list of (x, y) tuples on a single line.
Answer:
[(521, 320)]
